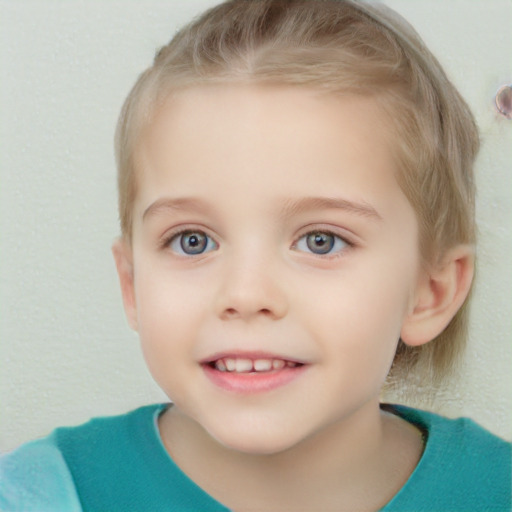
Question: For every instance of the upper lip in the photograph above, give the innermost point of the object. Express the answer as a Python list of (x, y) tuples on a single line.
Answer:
[(249, 354)]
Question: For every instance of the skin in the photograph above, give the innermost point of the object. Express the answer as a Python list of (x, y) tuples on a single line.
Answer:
[(249, 156)]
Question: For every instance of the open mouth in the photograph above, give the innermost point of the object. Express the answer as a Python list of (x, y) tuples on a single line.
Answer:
[(252, 375), (245, 365)]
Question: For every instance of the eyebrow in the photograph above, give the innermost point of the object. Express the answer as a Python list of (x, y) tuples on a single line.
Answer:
[(295, 206), (166, 204), (291, 206)]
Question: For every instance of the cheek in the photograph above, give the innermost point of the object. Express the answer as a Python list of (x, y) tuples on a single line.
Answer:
[(171, 307), (163, 311), (165, 296), (362, 309), (165, 327)]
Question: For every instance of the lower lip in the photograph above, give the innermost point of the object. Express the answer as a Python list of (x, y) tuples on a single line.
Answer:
[(253, 382)]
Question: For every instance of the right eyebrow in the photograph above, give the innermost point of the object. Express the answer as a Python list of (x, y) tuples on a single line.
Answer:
[(169, 204)]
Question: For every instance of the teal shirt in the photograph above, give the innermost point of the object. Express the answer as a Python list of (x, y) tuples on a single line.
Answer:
[(120, 464)]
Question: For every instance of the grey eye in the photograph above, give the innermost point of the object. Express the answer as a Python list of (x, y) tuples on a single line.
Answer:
[(192, 243), (321, 242)]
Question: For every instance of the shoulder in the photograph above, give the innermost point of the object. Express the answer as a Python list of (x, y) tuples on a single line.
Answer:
[(461, 440), (42, 475), (463, 467), (35, 477), (120, 463)]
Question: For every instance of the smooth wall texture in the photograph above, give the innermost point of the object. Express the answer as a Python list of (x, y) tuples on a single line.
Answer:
[(66, 353)]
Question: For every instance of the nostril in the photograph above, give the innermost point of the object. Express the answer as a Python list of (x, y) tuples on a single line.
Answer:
[(235, 313)]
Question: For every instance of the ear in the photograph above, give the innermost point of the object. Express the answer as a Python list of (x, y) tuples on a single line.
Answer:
[(440, 293), (123, 258)]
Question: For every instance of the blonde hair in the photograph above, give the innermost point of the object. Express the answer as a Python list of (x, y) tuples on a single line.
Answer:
[(338, 46)]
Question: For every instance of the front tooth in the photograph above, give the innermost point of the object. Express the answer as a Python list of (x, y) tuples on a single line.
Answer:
[(243, 365), (278, 364), (230, 364), (262, 365)]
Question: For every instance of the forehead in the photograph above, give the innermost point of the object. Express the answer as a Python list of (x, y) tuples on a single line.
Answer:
[(294, 111), (260, 141)]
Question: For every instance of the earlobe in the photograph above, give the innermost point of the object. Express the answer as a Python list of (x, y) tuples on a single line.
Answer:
[(124, 263), (439, 295)]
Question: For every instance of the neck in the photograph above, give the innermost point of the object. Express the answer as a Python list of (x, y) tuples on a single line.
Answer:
[(342, 464)]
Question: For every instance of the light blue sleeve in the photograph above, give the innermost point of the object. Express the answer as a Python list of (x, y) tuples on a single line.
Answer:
[(35, 477)]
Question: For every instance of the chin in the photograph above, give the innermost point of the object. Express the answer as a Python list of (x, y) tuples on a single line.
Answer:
[(257, 446), (253, 441)]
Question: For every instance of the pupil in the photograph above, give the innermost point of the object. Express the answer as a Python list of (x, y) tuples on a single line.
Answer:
[(193, 243), (320, 243)]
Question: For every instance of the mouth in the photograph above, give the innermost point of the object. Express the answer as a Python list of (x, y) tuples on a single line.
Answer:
[(247, 365), (252, 374)]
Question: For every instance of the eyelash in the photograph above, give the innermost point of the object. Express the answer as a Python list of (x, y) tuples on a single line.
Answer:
[(346, 244), (174, 237), (168, 240)]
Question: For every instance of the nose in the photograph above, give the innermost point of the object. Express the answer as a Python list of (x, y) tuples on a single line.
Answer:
[(250, 288)]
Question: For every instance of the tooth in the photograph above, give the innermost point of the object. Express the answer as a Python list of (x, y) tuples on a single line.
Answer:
[(262, 365), (219, 365), (291, 364), (230, 364), (277, 364), (243, 365)]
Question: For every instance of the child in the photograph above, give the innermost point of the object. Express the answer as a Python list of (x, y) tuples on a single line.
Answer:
[(297, 211)]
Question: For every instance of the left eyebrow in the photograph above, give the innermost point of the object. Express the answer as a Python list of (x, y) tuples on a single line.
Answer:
[(295, 206)]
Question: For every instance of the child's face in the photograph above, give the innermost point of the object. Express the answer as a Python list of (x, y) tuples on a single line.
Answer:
[(299, 246)]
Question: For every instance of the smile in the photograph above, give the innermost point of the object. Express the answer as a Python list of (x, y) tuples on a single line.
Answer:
[(249, 375), (243, 365)]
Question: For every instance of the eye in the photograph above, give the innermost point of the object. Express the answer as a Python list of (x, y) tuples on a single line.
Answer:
[(321, 242), (191, 243)]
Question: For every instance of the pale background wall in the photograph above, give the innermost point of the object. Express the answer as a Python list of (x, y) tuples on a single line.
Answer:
[(66, 353)]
